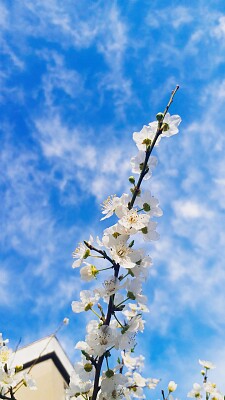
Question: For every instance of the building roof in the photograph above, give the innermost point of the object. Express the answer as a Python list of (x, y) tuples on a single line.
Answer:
[(41, 350)]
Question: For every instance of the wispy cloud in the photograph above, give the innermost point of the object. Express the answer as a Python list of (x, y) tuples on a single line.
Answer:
[(79, 78)]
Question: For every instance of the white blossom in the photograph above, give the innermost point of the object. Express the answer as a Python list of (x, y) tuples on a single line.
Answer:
[(151, 383), (132, 362), (121, 252), (78, 386), (29, 381), (142, 267), (144, 138), (85, 370), (137, 164), (81, 252), (209, 387), (149, 203), (88, 272), (88, 299), (114, 204), (133, 309), (101, 340), (3, 341), (172, 386), (110, 286), (134, 221), (125, 341), (149, 233), (207, 364), (113, 387), (172, 122), (195, 392)]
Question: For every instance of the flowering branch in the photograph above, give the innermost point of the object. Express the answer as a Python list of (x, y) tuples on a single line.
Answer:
[(108, 332), (136, 191), (103, 253), (150, 148)]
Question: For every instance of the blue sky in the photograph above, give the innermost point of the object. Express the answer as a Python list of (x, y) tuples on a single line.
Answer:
[(77, 79)]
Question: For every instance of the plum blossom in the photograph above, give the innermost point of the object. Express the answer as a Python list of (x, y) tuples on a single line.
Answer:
[(150, 204), (84, 370), (144, 138), (209, 387), (172, 386), (195, 392), (87, 301), (207, 364), (28, 381), (3, 341), (110, 286), (88, 272), (171, 123), (78, 386), (149, 232), (113, 387), (137, 164), (114, 204), (142, 267), (132, 362), (101, 340), (134, 290), (151, 383), (134, 221), (10, 376), (81, 252), (134, 310), (121, 252), (126, 341), (5, 354)]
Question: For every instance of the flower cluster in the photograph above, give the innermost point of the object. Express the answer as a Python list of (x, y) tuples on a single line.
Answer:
[(11, 377), (118, 301), (208, 389)]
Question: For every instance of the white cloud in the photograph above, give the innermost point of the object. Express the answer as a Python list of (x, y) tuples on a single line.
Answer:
[(99, 26), (191, 209), (59, 77), (178, 16), (74, 153), (219, 30)]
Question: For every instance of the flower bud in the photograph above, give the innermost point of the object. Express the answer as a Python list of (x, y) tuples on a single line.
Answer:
[(172, 386), (131, 295), (159, 116), (86, 254), (109, 373), (132, 180), (146, 207), (203, 372), (165, 127), (18, 368), (147, 142), (66, 321), (88, 307), (88, 367), (116, 234)]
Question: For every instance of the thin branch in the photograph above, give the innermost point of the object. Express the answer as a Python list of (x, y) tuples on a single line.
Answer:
[(170, 100), (2, 396), (103, 253), (149, 151)]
